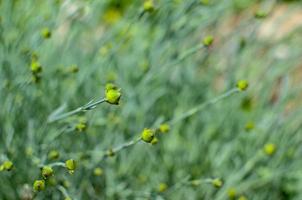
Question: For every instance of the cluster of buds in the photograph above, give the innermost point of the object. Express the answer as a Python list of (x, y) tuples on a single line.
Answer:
[(36, 69)]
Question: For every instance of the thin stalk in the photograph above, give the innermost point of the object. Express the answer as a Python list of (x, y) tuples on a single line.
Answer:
[(201, 106), (89, 106)]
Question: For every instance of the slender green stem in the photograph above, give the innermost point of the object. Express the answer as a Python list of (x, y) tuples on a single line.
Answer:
[(63, 191), (201, 106), (89, 106), (122, 146), (182, 57)]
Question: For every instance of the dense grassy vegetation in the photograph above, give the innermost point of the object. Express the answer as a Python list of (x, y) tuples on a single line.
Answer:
[(178, 66)]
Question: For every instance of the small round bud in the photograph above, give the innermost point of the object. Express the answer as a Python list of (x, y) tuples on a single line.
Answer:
[(149, 6), (249, 126), (7, 165), (260, 14), (98, 171), (208, 40), (53, 155), (47, 172), (81, 126), (39, 185), (232, 193), (46, 33), (164, 128), (35, 67), (73, 69), (147, 135), (113, 94), (195, 183), (68, 198), (154, 141), (269, 149), (217, 182), (110, 153), (242, 85), (242, 197), (162, 187), (205, 2), (70, 165)]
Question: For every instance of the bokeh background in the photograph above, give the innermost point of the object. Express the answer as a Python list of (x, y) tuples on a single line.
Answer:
[(250, 142)]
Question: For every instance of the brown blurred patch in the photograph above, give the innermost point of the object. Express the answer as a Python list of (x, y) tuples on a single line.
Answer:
[(281, 22)]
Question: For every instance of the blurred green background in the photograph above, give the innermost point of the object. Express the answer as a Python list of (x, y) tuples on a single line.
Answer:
[(250, 141)]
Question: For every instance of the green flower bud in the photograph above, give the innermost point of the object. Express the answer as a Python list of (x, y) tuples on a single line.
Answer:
[(39, 185), (260, 14), (68, 198), (242, 197), (73, 69), (205, 2), (149, 6), (110, 153), (35, 67), (154, 141), (162, 187), (269, 149), (70, 165), (249, 126), (242, 85), (81, 127), (113, 94), (53, 155), (98, 171), (46, 33), (47, 172), (7, 165), (164, 128), (195, 183), (217, 182), (232, 193), (208, 40), (147, 135)]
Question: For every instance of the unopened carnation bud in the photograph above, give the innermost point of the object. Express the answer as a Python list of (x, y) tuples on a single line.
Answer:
[(217, 182), (162, 187), (35, 67), (7, 165), (208, 40), (147, 135), (81, 126), (47, 172), (249, 126), (53, 155), (98, 171), (39, 185), (242, 197), (70, 165), (269, 149), (46, 33), (164, 128), (113, 94), (149, 6), (232, 193), (195, 183), (260, 14), (154, 141), (110, 152), (242, 85)]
